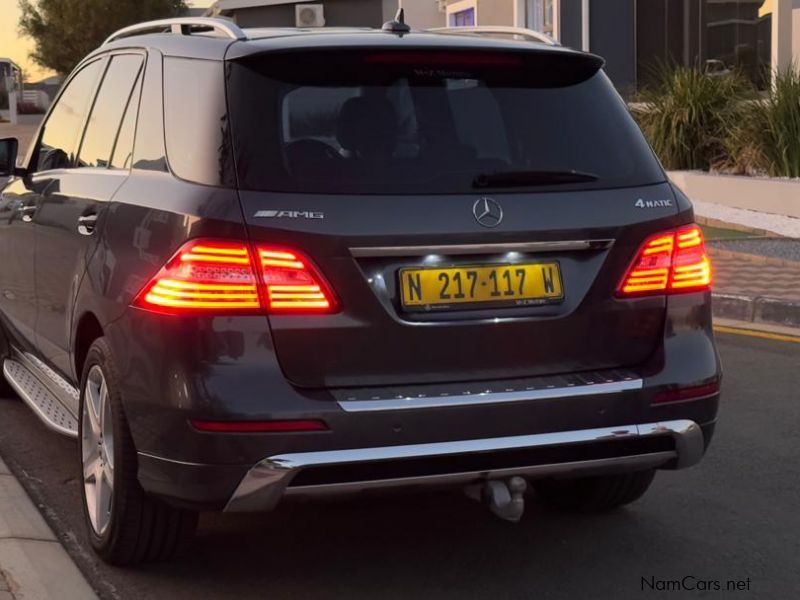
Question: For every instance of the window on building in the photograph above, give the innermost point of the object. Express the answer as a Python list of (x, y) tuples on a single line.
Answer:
[(717, 36), (462, 18), (540, 15)]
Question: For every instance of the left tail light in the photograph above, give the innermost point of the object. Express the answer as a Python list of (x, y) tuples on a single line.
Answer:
[(669, 262), (221, 277)]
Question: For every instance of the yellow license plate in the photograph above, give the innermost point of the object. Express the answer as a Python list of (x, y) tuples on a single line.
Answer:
[(522, 285)]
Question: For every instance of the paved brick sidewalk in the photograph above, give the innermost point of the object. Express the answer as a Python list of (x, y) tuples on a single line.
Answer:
[(745, 275), (5, 591), (756, 289)]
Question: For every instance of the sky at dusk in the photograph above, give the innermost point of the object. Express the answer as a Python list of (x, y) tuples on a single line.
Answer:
[(17, 48)]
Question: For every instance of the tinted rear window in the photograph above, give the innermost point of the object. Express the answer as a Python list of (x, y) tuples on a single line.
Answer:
[(421, 122)]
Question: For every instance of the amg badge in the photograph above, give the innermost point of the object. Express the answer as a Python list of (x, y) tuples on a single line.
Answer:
[(289, 214)]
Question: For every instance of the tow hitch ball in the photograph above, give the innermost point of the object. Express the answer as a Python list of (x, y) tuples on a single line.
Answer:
[(505, 498)]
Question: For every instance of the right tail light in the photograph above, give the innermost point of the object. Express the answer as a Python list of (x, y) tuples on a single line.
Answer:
[(669, 262)]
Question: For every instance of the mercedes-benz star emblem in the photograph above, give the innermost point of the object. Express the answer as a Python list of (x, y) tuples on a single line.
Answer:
[(487, 212)]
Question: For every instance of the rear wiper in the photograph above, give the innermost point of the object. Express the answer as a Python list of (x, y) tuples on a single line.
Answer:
[(523, 178)]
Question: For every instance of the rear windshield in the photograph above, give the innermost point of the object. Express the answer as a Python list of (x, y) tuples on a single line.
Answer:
[(383, 122)]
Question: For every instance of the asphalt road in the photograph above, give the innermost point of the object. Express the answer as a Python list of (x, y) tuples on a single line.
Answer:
[(736, 516)]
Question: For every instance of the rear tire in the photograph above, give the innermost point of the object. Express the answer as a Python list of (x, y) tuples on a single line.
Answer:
[(125, 525), (595, 494)]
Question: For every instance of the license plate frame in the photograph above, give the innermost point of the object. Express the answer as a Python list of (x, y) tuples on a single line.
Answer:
[(418, 299)]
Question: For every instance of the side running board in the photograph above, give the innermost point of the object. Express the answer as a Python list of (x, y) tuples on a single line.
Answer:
[(44, 403)]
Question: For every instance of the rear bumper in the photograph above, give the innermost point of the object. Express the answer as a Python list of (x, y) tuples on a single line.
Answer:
[(215, 369), (676, 444)]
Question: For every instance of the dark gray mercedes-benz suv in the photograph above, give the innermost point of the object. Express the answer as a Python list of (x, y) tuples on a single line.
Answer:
[(246, 265)]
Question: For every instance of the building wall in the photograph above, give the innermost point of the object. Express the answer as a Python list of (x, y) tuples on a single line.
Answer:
[(570, 23), (420, 14), (796, 32), (611, 27), (495, 12)]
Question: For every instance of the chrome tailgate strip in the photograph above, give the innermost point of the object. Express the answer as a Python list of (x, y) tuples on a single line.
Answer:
[(408, 403), (455, 249)]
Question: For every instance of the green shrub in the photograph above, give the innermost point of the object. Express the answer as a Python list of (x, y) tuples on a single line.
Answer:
[(776, 126), (687, 115)]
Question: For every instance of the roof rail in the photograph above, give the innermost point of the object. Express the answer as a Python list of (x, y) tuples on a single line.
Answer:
[(529, 34), (181, 26)]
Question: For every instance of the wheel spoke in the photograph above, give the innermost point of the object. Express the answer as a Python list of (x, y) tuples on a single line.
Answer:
[(108, 449), (102, 501), (102, 405), (92, 402), (108, 471), (91, 467)]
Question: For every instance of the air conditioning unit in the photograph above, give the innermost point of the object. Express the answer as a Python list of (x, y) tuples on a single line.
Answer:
[(309, 15)]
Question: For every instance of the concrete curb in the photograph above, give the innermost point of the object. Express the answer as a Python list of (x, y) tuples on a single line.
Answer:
[(711, 222), (757, 309), (33, 564)]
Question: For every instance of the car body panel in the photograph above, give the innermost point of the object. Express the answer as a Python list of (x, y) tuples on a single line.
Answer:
[(18, 243), (63, 251), (350, 348)]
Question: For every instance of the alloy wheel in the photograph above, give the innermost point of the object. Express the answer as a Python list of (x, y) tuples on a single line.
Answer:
[(97, 450)]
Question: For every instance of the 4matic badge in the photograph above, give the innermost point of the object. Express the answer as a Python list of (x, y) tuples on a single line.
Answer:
[(289, 214), (652, 203)]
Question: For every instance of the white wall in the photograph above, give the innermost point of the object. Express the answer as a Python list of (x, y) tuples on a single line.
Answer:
[(760, 194), (420, 14), (796, 32)]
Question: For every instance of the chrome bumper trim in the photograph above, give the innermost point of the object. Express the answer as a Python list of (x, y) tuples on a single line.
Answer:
[(266, 482), (409, 402), (456, 249), (575, 469)]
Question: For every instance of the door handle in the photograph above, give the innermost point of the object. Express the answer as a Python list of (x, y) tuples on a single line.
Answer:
[(27, 211), (86, 224)]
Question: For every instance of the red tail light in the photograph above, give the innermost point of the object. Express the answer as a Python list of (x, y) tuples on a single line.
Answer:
[(687, 393), (291, 283), (444, 59), (220, 276), (260, 426), (204, 275), (669, 262)]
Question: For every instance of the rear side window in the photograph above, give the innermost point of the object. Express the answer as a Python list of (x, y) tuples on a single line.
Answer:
[(196, 120), (63, 127), (431, 122), (106, 117), (123, 148), (149, 153)]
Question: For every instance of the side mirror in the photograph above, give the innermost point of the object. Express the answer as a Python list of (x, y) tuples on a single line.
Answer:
[(8, 157)]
